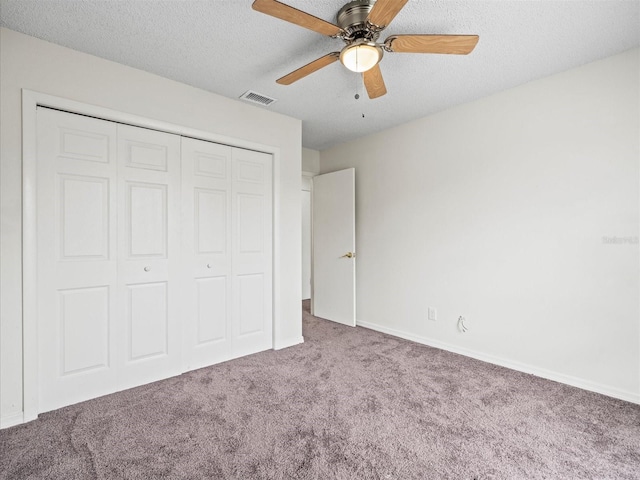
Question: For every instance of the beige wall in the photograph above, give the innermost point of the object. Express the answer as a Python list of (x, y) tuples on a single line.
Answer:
[(36, 65), (500, 210), (310, 160)]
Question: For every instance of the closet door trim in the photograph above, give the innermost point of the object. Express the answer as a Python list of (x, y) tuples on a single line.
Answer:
[(30, 101)]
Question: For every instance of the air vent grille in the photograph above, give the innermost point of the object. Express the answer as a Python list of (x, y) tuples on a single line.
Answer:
[(255, 97)]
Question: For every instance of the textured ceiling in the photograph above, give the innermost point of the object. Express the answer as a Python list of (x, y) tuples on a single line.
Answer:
[(225, 47)]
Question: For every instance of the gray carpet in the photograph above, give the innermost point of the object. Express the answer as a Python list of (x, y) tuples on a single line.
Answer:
[(347, 404)]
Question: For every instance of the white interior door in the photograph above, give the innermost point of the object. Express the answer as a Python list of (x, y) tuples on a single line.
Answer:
[(76, 259), (334, 241), (206, 234), (149, 253)]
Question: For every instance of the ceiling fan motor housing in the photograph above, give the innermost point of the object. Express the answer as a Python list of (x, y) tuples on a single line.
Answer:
[(352, 19)]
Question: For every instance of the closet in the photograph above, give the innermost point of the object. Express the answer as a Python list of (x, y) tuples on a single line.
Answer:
[(154, 255)]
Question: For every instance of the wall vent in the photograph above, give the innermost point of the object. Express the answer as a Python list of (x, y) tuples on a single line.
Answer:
[(255, 97)]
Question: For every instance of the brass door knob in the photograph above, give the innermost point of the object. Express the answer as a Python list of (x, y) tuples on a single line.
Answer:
[(348, 255)]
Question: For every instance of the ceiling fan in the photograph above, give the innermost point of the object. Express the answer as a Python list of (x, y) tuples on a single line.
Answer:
[(359, 24)]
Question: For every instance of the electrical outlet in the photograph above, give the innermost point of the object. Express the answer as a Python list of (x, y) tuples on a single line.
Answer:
[(432, 314)]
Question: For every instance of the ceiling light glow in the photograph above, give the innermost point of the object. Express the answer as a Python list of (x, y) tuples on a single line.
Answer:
[(360, 57)]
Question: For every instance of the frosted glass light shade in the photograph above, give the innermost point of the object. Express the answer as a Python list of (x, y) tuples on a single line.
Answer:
[(360, 57)]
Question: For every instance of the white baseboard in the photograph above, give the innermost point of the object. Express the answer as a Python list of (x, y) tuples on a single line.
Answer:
[(513, 365), (288, 343), (11, 420)]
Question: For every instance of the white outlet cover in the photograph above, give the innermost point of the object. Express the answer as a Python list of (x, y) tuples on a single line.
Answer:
[(432, 314)]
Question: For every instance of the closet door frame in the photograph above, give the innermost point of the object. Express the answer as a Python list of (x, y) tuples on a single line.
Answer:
[(30, 101)]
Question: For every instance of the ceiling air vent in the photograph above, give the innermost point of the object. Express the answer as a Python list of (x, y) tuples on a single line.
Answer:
[(258, 98)]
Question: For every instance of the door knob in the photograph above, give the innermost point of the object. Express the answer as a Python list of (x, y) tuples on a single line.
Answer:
[(348, 255), (146, 269), (208, 265)]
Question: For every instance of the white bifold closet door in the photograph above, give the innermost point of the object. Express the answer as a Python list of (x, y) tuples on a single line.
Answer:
[(108, 257), (227, 232), (122, 299)]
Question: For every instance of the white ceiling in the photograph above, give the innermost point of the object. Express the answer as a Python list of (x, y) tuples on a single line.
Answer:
[(225, 47)]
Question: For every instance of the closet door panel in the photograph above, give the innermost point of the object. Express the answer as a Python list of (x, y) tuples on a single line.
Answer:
[(85, 231), (206, 234), (251, 251), (84, 314), (146, 222), (147, 321), (76, 259), (251, 314), (149, 282), (211, 304), (210, 221)]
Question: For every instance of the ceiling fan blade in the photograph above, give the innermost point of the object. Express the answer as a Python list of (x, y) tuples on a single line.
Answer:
[(384, 11), (298, 17), (455, 44), (374, 83), (309, 68)]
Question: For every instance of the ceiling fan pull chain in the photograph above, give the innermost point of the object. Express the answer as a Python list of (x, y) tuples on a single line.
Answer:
[(360, 80), (358, 89)]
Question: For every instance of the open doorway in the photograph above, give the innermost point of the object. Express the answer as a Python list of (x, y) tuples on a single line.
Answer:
[(306, 237)]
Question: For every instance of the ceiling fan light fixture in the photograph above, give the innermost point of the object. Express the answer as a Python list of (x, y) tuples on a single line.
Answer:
[(361, 56)]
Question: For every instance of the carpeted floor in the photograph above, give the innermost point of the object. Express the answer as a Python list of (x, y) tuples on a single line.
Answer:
[(347, 404)]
